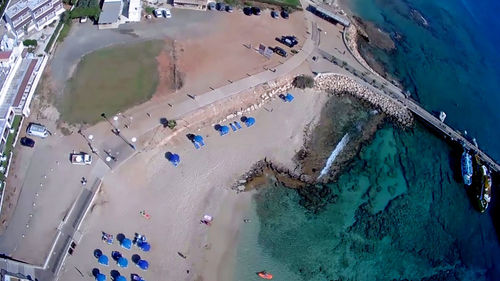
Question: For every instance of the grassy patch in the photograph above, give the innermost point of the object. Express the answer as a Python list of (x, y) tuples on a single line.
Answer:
[(53, 37), (10, 142), (111, 80), (64, 31)]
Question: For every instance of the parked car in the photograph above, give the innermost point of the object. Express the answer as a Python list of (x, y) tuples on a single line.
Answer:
[(81, 158), (211, 6), (167, 14), (256, 11), (274, 14), (229, 9), (221, 6), (27, 142), (280, 51), (83, 20), (284, 14), (293, 39), (285, 41), (37, 130), (247, 11), (158, 13)]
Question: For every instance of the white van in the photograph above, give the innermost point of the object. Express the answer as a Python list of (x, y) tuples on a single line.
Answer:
[(37, 130)]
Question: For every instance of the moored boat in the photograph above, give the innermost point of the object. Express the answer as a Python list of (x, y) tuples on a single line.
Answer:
[(467, 168), (484, 196)]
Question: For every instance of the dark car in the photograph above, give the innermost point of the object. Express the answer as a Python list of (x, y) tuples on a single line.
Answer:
[(211, 6), (27, 142), (247, 11), (229, 9), (293, 39), (220, 6), (285, 41), (280, 51), (256, 11), (284, 14), (274, 14)]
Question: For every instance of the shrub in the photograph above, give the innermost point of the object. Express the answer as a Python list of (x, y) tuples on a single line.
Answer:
[(303, 81), (30, 43), (149, 10), (171, 124)]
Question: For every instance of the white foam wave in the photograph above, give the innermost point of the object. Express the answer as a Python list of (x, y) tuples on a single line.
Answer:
[(334, 155)]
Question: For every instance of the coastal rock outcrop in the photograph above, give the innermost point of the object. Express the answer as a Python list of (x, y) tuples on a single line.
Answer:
[(340, 84)]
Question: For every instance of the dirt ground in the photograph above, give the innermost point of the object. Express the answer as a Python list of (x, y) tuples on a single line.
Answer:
[(215, 60)]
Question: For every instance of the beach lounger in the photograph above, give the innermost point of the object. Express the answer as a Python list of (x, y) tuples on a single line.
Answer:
[(232, 127), (196, 145), (237, 124)]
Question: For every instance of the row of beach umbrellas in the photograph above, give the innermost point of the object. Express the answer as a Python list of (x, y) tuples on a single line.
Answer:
[(224, 130), (122, 261)]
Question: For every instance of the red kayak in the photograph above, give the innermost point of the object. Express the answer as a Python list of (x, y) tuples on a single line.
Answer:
[(265, 275)]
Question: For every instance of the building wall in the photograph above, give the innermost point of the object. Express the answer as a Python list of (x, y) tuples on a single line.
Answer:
[(33, 17)]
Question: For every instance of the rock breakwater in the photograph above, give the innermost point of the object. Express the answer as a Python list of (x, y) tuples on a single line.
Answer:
[(340, 84)]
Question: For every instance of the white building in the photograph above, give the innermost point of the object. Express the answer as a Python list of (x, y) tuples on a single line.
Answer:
[(26, 15), (20, 72)]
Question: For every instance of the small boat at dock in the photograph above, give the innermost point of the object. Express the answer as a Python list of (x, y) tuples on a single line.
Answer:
[(484, 196), (467, 171)]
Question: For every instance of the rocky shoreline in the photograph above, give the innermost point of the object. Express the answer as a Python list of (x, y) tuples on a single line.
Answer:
[(340, 84)]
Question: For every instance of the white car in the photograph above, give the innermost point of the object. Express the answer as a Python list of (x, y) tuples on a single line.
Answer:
[(167, 14), (158, 13), (81, 158)]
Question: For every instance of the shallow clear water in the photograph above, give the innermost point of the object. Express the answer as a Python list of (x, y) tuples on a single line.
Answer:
[(399, 214)]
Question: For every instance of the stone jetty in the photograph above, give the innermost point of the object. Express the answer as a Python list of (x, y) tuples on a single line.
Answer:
[(340, 84)]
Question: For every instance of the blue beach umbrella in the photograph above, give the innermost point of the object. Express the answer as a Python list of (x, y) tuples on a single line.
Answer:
[(199, 139), (122, 262), (121, 278), (250, 121), (126, 243), (143, 264), (175, 159), (223, 130), (103, 259), (100, 277), (145, 246)]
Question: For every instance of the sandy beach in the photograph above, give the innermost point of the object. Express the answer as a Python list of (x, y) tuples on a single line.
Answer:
[(177, 197)]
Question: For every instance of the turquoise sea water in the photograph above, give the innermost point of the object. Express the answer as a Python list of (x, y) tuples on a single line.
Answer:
[(452, 65), (399, 210), (398, 213)]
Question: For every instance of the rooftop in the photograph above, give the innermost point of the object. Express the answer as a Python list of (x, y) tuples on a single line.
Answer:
[(111, 10), (329, 12), (14, 9)]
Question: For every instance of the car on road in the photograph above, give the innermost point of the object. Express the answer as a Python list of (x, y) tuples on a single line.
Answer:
[(25, 141), (247, 11), (220, 6), (274, 14), (167, 14), (83, 20), (211, 6), (256, 11), (279, 51), (229, 9), (284, 14)]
